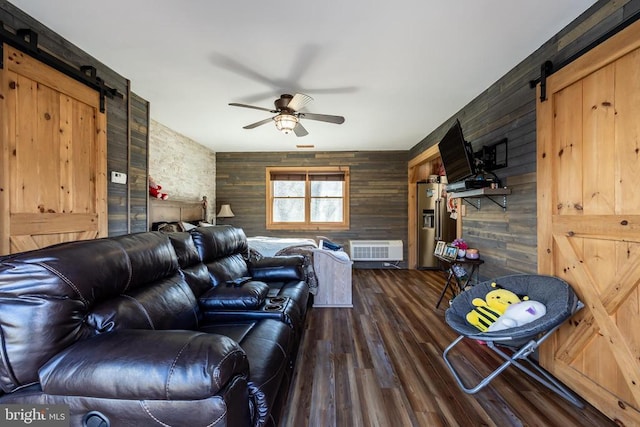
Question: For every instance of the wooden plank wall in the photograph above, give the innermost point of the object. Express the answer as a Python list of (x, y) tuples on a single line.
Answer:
[(507, 240), (378, 191), (117, 160), (117, 122), (139, 164)]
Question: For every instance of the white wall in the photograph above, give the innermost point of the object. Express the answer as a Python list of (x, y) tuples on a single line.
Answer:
[(185, 169)]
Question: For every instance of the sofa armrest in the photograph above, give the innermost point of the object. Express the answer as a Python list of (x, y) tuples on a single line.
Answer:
[(227, 296), (145, 364), (278, 268)]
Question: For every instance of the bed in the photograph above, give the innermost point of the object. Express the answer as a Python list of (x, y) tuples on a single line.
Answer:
[(173, 215), (270, 246)]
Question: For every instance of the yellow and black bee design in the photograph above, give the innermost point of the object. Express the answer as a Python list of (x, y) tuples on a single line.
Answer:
[(488, 310)]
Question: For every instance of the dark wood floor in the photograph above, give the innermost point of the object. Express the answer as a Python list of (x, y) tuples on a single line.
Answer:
[(380, 364)]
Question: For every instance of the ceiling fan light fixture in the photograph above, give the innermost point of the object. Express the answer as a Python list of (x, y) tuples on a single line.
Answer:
[(288, 116), (286, 122)]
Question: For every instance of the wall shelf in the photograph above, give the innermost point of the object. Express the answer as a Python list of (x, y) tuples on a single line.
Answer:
[(478, 193)]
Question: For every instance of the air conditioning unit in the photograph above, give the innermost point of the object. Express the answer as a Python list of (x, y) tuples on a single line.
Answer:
[(376, 250)]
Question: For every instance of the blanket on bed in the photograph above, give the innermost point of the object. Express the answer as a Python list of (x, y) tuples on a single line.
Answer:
[(269, 246)]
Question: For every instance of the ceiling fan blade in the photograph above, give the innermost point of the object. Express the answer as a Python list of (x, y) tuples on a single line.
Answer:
[(332, 90), (256, 124), (239, 68), (323, 118), (235, 104), (298, 101), (299, 130)]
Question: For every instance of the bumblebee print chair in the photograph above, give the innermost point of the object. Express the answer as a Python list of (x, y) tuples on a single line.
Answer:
[(516, 344)]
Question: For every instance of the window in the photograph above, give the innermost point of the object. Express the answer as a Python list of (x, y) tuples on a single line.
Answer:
[(314, 198)]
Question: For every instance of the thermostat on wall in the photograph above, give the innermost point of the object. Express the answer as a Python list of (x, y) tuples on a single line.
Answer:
[(118, 177)]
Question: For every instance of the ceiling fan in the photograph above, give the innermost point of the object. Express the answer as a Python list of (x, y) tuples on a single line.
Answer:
[(288, 114)]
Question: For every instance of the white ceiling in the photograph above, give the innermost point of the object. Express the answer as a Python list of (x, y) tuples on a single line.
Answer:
[(396, 70)]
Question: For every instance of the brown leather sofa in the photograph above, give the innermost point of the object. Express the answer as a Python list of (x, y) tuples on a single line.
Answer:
[(151, 329)]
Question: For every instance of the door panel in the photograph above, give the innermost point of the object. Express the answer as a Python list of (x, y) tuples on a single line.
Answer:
[(56, 162), (589, 221)]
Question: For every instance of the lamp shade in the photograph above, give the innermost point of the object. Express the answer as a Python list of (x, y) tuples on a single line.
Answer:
[(285, 122), (225, 212)]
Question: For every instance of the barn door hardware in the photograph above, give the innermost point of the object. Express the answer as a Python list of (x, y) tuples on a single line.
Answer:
[(26, 40), (91, 72), (29, 36), (546, 69)]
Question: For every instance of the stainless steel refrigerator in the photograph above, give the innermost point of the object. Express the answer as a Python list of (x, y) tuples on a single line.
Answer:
[(434, 222)]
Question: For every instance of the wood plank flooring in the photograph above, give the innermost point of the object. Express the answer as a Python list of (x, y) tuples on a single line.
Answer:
[(380, 364)]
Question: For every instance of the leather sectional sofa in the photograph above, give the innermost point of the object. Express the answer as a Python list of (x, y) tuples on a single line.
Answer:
[(152, 329)]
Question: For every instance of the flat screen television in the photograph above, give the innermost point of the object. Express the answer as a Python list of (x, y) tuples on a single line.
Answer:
[(457, 155)]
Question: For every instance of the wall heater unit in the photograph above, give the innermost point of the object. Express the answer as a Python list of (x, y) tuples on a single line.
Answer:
[(376, 250)]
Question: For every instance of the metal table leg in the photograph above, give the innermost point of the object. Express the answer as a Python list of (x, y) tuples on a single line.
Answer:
[(446, 286)]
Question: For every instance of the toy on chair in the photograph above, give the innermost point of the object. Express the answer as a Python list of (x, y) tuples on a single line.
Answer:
[(519, 314), (489, 309)]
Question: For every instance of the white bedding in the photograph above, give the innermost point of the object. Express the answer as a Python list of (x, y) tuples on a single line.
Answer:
[(269, 246)]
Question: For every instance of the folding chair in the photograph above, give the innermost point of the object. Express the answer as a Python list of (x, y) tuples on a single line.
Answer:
[(561, 303)]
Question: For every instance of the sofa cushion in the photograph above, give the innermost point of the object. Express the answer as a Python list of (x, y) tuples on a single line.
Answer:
[(158, 297), (185, 249), (168, 304), (222, 250), (219, 241), (151, 255), (227, 268), (195, 272)]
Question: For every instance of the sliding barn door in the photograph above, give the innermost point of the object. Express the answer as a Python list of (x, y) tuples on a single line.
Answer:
[(53, 177), (588, 162)]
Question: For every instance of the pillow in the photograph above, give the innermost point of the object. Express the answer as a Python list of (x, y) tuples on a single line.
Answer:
[(156, 225), (186, 226), (170, 227), (332, 246), (205, 224)]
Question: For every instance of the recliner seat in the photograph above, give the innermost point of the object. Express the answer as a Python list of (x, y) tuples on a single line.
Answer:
[(222, 249), (222, 300)]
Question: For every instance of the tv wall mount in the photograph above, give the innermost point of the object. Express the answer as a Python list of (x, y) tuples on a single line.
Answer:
[(492, 157), (486, 184)]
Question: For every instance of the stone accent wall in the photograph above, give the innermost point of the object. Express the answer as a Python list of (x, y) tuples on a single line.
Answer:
[(185, 169)]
